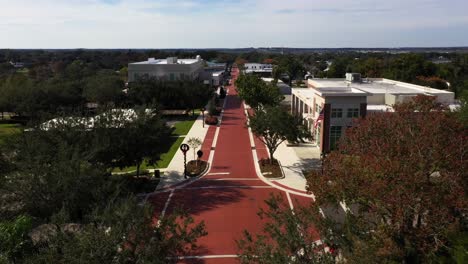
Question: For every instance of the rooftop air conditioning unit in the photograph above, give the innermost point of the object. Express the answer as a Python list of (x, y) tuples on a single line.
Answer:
[(353, 77), (172, 60)]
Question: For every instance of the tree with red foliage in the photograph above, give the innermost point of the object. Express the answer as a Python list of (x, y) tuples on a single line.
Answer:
[(402, 177)]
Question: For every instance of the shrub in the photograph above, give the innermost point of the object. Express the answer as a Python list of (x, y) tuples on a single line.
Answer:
[(211, 120)]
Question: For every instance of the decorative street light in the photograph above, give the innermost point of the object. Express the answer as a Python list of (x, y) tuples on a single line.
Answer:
[(203, 116), (184, 148)]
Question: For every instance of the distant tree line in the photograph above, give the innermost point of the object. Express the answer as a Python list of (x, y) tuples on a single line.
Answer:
[(79, 83), (415, 68)]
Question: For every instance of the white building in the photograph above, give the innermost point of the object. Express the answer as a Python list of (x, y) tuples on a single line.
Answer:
[(170, 69), (264, 70), (214, 74), (342, 100)]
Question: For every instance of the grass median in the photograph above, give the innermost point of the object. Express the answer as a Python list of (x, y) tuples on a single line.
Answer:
[(181, 128)]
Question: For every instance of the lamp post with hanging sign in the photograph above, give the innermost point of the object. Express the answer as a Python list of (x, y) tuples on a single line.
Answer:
[(184, 148)]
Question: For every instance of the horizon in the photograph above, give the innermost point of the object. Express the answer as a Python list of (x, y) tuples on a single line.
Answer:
[(230, 24), (254, 48)]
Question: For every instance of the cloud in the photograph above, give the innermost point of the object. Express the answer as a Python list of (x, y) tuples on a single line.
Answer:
[(229, 23)]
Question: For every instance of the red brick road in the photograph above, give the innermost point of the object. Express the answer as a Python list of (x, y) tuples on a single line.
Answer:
[(230, 195)]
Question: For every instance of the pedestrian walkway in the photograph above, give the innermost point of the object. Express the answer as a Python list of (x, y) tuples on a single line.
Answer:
[(174, 173)]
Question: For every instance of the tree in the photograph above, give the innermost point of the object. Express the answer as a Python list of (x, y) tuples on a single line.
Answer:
[(51, 173), (291, 66), (195, 95), (194, 143), (274, 125), (463, 111), (131, 137), (257, 93), (170, 95), (288, 236), (123, 232), (403, 177), (103, 88), (14, 240)]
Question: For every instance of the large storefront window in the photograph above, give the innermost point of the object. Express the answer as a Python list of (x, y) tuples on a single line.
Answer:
[(335, 135)]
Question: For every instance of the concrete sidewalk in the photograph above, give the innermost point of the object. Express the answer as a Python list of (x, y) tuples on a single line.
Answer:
[(174, 173), (295, 160)]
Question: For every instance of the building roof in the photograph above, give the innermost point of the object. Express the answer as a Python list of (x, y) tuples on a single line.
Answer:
[(258, 67), (215, 64), (153, 61), (304, 93), (375, 86), (217, 73)]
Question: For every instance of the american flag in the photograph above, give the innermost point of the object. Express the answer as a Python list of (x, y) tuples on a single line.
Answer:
[(319, 119)]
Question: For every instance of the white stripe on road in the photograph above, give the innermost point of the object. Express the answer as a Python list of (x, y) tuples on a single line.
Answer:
[(232, 179), (167, 204), (231, 186), (290, 201), (219, 173), (207, 257)]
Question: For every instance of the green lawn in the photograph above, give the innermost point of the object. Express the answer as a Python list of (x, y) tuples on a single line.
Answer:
[(166, 158), (7, 130), (183, 127)]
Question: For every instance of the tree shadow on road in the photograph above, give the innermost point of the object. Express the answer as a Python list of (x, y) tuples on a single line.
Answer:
[(207, 195)]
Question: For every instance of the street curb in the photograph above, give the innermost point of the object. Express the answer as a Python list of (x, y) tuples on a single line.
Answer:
[(282, 173), (259, 172)]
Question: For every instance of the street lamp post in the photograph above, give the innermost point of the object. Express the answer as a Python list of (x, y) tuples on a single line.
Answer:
[(203, 117), (184, 148)]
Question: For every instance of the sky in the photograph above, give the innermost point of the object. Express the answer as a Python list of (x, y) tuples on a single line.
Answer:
[(232, 23)]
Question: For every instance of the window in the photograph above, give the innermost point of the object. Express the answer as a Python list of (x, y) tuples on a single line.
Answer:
[(318, 109), (306, 109), (171, 77), (337, 113), (353, 113), (335, 135)]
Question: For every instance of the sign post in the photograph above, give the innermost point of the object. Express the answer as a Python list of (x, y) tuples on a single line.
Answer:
[(184, 148), (200, 155)]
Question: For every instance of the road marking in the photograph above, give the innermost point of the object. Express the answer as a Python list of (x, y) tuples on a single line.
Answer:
[(219, 173), (167, 204), (266, 181), (290, 201), (207, 257), (230, 186), (233, 179)]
